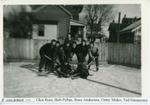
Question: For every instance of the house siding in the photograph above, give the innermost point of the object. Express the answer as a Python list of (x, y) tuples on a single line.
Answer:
[(53, 15), (127, 37), (63, 27)]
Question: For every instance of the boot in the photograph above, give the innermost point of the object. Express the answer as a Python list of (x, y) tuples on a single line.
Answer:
[(97, 68)]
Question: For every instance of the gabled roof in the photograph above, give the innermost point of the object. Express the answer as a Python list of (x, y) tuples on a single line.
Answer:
[(132, 26), (76, 23), (114, 26), (130, 20), (61, 7)]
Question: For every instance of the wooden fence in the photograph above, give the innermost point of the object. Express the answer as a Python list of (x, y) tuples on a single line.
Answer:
[(127, 54), (124, 53), (103, 52), (27, 49), (18, 48)]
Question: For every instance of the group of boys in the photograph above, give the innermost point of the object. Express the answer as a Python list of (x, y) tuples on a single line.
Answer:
[(56, 57)]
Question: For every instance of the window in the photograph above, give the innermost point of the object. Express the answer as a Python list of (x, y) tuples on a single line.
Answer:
[(41, 30)]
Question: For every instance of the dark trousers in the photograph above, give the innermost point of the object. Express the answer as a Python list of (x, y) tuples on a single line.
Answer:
[(49, 65), (68, 59), (81, 58), (63, 70), (42, 63), (81, 71), (96, 61)]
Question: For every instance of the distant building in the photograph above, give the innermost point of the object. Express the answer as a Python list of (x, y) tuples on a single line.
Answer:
[(131, 33), (55, 22), (118, 30), (50, 22)]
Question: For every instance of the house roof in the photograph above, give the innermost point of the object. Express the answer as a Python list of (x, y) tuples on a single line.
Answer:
[(130, 20), (76, 23), (74, 10), (114, 26), (61, 7), (72, 21), (132, 26)]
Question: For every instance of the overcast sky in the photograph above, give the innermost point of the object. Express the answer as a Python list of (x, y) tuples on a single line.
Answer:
[(131, 10)]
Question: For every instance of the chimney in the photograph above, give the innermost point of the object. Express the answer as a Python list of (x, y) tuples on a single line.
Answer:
[(119, 17), (135, 17), (113, 21), (118, 36), (125, 16)]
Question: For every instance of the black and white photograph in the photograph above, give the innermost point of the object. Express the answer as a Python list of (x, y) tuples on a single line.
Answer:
[(87, 50)]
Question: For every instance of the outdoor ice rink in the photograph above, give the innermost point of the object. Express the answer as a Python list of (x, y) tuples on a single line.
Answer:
[(22, 80)]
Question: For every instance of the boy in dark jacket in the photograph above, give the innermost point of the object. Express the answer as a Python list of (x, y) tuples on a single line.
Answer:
[(44, 50), (82, 51), (50, 56), (67, 51)]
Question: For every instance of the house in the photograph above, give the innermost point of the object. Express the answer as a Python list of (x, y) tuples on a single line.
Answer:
[(55, 22), (50, 22), (131, 33), (115, 29)]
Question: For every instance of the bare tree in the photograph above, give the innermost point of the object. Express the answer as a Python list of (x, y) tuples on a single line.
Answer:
[(91, 16), (19, 24), (105, 15), (98, 16)]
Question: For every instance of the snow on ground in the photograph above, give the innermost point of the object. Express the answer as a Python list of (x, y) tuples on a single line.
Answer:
[(22, 80)]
